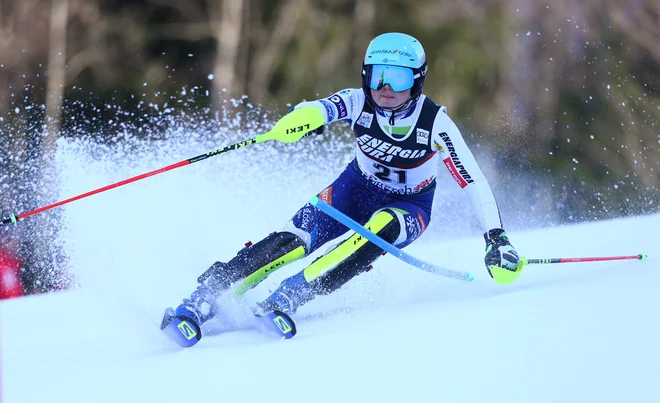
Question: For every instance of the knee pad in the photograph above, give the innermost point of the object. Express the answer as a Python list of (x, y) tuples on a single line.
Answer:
[(388, 223)]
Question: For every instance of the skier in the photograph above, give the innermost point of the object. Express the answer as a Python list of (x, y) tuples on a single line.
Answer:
[(400, 136)]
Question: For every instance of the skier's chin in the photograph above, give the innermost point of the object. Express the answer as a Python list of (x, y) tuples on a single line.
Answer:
[(392, 104)]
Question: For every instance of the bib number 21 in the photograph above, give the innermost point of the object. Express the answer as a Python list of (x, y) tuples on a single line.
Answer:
[(387, 175)]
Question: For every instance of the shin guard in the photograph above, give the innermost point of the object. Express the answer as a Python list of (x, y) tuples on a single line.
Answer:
[(254, 263), (353, 256)]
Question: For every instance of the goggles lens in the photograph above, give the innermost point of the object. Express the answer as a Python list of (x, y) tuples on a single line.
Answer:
[(399, 78)]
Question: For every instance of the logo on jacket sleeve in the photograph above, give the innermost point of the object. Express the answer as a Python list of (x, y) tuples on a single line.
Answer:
[(454, 164), (342, 111), (329, 110), (365, 119)]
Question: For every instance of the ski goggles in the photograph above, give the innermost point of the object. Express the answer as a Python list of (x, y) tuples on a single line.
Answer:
[(399, 78)]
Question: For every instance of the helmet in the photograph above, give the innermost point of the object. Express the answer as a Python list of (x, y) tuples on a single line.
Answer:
[(393, 51)]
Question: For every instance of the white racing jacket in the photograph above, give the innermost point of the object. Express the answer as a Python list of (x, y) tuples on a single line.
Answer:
[(403, 158)]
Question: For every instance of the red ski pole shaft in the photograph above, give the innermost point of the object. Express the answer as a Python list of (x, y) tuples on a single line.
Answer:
[(641, 256), (16, 218), (289, 129)]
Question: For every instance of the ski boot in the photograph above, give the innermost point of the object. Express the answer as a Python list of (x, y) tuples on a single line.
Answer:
[(183, 324), (289, 296)]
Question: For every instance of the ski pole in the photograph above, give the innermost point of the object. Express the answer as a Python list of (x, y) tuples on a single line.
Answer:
[(386, 246), (289, 129), (640, 256)]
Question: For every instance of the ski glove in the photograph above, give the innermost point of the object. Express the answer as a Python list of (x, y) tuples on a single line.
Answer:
[(502, 260), (316, 131)]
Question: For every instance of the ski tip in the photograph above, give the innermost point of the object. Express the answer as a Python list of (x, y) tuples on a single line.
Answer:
[(642, 256), (470, 277), (280, 323), (182, 330), (167, 317)]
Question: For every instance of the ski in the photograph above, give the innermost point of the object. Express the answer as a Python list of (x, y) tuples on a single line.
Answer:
[(278, 323), (181, 329), (186, 333)]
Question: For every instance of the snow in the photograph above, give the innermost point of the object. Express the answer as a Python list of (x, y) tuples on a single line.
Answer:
[(564, 332)]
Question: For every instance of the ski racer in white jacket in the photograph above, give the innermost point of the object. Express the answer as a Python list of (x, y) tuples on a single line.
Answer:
[(401, 136)]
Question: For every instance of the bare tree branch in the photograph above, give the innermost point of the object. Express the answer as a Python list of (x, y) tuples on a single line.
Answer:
[(267, 57), (641, 33), (56, 73), (226, 24), (364, 17)]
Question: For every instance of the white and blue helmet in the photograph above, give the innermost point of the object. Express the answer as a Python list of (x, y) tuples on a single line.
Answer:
[(396, 59)]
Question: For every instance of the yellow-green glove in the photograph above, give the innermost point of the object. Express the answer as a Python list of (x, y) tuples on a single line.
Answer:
[(502, 260)]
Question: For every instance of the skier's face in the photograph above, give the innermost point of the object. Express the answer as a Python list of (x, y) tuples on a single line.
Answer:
[(387, 98)]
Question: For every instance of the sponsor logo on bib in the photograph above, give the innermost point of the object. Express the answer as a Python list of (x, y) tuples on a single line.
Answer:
[(365, 119), (422, 136)]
